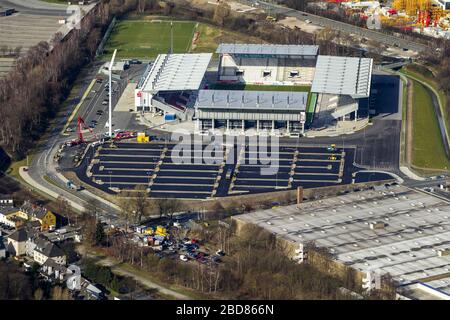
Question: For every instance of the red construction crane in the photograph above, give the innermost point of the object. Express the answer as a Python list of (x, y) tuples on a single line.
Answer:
[(80, 123)]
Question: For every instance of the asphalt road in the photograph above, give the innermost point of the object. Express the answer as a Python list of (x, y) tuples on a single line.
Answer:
[(36, 7), (43, 167), (341, 26)]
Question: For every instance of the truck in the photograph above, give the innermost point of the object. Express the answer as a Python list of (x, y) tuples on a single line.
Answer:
[(170, 117)]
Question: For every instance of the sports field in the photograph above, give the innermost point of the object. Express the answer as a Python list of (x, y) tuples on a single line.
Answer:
[(147, 38)]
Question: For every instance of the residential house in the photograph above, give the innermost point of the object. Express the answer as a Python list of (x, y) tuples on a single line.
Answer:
[(51, 269), (6, 201), (2, 248), (46, 250), (11, 216), (39, 213), (17, 242)]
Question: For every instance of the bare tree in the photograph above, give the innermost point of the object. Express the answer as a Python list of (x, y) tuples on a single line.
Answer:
[(140, 203), (167, 207)]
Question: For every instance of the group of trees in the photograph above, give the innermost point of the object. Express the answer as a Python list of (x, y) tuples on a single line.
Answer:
[(10, 51), (32, 92), (440, 66), (15, 284), (136, 205)]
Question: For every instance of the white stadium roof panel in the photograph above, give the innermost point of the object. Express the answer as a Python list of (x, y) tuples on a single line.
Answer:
[(177, 72), (268, 49), (251, 100), (343, 75)]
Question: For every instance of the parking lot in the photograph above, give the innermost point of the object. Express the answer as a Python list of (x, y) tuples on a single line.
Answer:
[(229, 171)]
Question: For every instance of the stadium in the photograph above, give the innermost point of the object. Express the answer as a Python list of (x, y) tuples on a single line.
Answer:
[(272, 89)]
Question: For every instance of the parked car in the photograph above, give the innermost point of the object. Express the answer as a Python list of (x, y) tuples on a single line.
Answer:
[(220, 253), (105, 102), (183, 258)]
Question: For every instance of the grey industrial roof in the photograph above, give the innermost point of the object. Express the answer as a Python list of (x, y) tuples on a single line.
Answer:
[(417, 225), (251, 100), (177, 72), (343, 75), (268, 49)]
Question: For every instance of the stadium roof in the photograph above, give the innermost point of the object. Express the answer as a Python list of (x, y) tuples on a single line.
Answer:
[(343, 75), (251, 100), (176, 72), (268, 49), (415, 227)]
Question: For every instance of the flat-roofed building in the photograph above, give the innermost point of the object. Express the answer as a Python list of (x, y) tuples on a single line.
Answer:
[(396, 231), (261, 110)]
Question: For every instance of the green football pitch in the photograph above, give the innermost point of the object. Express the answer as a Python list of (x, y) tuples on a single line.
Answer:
[(147, 39)]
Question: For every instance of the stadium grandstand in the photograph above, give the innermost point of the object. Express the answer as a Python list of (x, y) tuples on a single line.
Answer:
[(270, 88), (267, 64)]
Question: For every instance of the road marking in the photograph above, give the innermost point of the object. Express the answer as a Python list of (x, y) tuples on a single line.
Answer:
[(74, 112)]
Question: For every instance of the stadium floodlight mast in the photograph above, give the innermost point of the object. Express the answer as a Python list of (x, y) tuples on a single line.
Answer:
[(110, 93)]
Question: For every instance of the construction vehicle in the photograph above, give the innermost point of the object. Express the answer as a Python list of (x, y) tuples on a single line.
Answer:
[(161, 231), (142, 138), (80, 140), (332, 147), (271, 19), (124, 135), (148, 231), (332, 158)]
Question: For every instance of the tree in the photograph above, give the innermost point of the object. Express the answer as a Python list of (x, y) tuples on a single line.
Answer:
[(126, 210), (140, 203), (221, 12), (99, 234), (60, 293), (167, 207), (38, 294)]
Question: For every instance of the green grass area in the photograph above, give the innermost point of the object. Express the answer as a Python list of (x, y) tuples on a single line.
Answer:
[(13, 169), (424, 74), (148, 38), (251, 87), (210, 37), (428, 147), (310, 107)]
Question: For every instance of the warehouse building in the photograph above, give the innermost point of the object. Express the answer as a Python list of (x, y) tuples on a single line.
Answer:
[(395, 230)]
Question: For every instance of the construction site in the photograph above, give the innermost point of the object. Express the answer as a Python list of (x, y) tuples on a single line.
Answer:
[(427, 17)]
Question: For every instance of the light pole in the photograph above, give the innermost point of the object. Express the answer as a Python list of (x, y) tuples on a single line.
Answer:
[(110, 92)]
